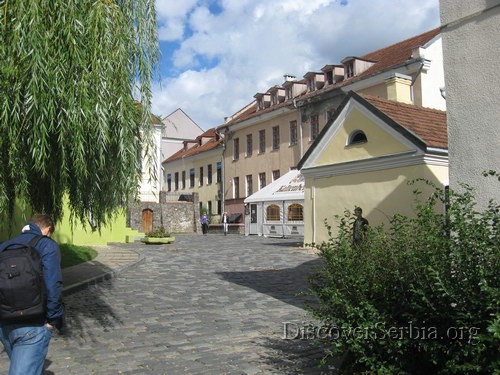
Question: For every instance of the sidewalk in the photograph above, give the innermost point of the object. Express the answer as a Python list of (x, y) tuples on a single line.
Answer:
[(110, 261)]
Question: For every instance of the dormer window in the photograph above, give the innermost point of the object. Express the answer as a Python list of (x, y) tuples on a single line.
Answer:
[(354, 66), (310, 84), (263, 101), (277, 95), (357, 137), (349, 69), (329, 77)]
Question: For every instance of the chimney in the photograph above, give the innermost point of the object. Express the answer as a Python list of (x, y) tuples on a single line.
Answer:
[(398, 88), (289, 78)]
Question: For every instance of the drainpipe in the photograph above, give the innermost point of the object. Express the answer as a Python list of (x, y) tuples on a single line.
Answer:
[(223, 177), (313, 199), (300, 127), (422, 63)]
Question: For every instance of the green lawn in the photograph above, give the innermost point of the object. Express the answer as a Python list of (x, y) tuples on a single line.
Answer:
[(74, 254)]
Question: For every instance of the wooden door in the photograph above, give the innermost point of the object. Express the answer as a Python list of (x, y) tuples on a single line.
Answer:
[(147, 221)]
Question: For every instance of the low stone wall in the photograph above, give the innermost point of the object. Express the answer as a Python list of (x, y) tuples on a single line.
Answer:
[(174, 216), (231, 228)]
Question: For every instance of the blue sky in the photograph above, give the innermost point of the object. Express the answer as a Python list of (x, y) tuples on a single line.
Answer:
[(217, 54)]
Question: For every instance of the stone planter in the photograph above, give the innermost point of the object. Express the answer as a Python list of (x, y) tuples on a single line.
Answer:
[(157, 240)]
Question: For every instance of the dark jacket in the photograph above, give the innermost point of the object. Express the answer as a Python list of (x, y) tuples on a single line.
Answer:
[(51, 262)]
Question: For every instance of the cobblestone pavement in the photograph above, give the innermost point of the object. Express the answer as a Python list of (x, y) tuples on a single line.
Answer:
[(202, 305)]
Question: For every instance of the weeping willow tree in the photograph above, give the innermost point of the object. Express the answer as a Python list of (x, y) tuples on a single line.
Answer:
[(69, 124)]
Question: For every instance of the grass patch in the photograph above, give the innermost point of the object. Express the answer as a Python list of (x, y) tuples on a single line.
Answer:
[(72, 255)]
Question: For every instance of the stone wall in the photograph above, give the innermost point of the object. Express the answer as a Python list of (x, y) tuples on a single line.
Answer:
[(176, 216)]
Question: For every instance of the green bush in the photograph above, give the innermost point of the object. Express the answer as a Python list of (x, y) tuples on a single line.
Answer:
[(418, 297), (158, 233)]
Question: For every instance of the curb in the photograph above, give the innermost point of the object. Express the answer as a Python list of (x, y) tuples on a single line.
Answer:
[(105, 275)]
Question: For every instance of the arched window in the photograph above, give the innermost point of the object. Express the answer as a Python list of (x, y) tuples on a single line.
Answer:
[(273, 213), (357, 137), (295, 212)]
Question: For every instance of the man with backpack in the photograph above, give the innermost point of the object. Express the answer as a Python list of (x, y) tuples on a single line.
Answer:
[(31, 304)]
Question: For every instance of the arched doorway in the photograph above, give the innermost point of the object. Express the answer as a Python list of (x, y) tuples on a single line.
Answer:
[(147, 220)]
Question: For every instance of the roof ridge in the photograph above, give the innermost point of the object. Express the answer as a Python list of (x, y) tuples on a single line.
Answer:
[(432, 31)]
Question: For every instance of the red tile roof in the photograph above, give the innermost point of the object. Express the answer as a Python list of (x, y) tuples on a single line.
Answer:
[(427, 124), (395, 54), (383, 59), (197, 148)]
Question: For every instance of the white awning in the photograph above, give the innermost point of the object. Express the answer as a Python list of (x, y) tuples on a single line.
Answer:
[(290, 186)]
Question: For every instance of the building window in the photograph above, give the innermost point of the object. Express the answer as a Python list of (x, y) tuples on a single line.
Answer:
[(209, 174), (314, 127), (236, 149), (236, 187), (329, 77), (293, 133), (276, 174), (329, 115), (311, 84), (191, 177), (249, 185), (273, 213), (200, 178), (169, 182), (219, 207), (356, 137), (219, 172), (276, 137), (209, 207), (249, 144), (262, 141), (183, 180), (295, 212), (262, 180), (349, 69), (176, 180)]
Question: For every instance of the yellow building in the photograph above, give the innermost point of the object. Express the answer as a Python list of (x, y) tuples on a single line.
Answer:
[(197, 168), (268, 137), (366, 155)]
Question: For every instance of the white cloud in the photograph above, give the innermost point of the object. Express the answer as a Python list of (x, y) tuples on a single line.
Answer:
[(251, 44)]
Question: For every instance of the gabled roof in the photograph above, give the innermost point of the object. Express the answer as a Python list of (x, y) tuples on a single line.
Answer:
[(425, 127), (427, 124), (197, 148), (178, 125)]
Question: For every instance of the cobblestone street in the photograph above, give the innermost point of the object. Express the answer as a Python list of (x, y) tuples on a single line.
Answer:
[(202, 305)]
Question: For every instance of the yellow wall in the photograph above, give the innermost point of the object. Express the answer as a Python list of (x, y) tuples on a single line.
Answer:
[(206, 192), (379, 142), (116, 231), (380, 194)]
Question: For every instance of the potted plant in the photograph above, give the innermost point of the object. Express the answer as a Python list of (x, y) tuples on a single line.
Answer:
[(159, 236)]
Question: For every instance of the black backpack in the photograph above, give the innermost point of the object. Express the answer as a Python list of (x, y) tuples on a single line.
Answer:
[(22, 287)]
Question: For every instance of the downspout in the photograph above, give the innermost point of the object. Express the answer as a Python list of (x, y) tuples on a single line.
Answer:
[(313, 199), (300, 127), (223, 177), (422, 63)]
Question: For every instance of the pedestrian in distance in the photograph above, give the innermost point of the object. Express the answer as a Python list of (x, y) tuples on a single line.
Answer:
[(204, 224), (224, 221), (31, 306)]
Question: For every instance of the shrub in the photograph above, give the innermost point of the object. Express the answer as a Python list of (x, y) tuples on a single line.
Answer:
[(158, 233), (418, 297)]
